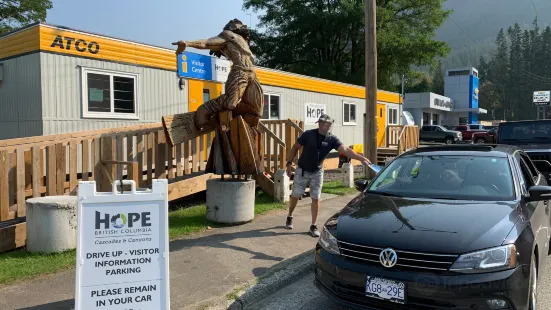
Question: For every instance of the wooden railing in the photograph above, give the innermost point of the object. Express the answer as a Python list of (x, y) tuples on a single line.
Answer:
[(53, 165), (275, 152), (408, 139), (393, 135), (287, 131)]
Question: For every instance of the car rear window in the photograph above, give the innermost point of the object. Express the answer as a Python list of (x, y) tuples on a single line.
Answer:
[(461, 128), (526, 132), (447, 177)]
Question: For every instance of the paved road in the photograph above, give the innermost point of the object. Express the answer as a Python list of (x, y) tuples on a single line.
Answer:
[(303, 295)]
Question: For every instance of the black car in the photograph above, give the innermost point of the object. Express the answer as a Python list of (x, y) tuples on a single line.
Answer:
[(443, 227)]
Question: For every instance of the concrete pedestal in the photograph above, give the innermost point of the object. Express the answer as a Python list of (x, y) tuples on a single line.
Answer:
[(230, 202), (51, 224), (282, 187), (348, 175)]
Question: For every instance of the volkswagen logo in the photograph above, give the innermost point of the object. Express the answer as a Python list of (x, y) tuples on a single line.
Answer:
[(388, 258)]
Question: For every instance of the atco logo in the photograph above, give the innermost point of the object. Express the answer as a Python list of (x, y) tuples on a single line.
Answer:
[(388, 258), (79, 44), (120, 220)]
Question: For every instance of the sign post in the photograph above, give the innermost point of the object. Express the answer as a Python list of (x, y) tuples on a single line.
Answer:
[(541, 98), (122, 248), (312, 112)]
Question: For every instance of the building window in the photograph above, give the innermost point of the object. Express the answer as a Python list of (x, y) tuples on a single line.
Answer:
[(109, 94), (271, 106), (459, 72), (426, 118), (392, 116), (206, 95), (435, 120), (349, 113)]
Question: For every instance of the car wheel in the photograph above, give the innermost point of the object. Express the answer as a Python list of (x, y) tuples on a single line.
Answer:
[(449, 140), (480, 141), (533, 286)]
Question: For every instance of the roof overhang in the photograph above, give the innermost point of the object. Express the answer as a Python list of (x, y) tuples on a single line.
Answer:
[(475, 110)]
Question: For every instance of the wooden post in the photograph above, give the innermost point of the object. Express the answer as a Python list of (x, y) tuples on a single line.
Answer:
[(370, 126)]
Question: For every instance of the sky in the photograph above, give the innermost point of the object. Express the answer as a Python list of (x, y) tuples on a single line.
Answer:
[(155, 22)]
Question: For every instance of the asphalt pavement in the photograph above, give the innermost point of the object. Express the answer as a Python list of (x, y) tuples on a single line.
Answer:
[(303, 295)]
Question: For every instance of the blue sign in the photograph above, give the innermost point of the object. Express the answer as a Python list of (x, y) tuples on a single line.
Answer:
[(473, 98), (195, 66)]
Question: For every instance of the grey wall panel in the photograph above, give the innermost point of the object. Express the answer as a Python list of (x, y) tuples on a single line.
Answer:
[(159, 94), (293, 106), (20, 102)]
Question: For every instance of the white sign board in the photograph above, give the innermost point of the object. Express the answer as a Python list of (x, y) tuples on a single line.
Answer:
[(312, 112), (220, 70), (541, 96), (122, 248)]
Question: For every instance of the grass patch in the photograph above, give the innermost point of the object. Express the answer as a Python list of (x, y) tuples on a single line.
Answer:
[(193, 219), (20, 264), (336, 188)]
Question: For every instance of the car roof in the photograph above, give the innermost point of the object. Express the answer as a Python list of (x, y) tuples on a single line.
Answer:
[(532, 121), (494, 150)]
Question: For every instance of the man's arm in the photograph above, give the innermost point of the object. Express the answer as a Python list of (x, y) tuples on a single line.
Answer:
[(294, 151), (348, 152)]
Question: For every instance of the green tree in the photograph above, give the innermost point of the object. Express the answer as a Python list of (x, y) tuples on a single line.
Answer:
[(19, 13), (437, 84), (519, 66), (490, 98), (326, 38), (515, 86)]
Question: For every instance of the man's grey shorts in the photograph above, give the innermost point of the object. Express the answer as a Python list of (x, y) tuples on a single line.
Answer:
[(312, 179)]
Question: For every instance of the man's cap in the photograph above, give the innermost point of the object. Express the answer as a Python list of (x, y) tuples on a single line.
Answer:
[(325, 118)]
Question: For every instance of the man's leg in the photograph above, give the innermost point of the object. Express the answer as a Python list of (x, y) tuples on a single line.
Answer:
[(315, 193), (299, 186)]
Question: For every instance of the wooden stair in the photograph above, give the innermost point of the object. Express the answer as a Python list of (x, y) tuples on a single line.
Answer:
[(385, 152)]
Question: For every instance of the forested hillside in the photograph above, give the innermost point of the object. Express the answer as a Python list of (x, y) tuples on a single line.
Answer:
[(481, 21)]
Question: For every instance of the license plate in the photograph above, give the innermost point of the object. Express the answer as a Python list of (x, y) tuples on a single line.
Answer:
[(385, 289)]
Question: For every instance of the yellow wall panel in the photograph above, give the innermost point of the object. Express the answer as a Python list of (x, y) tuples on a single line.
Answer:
[(71, 42), (21, 42), (86, 45)]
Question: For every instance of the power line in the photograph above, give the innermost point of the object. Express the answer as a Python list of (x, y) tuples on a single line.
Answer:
[(535, 9), (463, 30)]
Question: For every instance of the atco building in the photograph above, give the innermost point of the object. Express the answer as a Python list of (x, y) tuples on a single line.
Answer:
[(57, 80)]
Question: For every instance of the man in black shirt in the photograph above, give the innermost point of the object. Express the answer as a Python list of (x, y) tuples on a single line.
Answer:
[(316, 144)]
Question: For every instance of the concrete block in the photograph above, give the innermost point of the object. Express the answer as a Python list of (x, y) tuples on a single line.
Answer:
[(51, 224), (230, 201), (282, 187), (348, 175)]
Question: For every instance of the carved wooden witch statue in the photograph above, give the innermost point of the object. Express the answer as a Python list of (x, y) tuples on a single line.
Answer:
[(237, 146)]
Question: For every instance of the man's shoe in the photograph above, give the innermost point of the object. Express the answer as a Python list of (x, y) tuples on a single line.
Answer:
[(314, 231), (289, 222)]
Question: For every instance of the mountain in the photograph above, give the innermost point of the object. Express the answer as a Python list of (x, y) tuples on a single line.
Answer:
[(480, 21)]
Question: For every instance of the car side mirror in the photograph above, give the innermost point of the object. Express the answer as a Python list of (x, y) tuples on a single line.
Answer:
[(361, 184), (539, 193)]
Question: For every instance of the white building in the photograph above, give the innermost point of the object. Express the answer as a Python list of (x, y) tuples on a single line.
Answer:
[(458, 106)]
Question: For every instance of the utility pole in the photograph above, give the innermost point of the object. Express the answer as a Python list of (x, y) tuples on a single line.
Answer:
[(370, 125)]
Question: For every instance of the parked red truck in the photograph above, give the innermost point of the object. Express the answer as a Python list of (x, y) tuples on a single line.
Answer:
[(485, 137), (468, 130)]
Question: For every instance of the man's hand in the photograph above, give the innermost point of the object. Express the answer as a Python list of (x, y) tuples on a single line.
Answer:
[(289, 171), (366, 161), (181, 47)]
